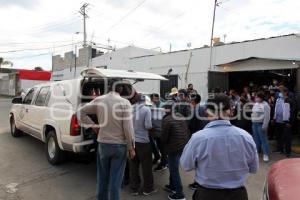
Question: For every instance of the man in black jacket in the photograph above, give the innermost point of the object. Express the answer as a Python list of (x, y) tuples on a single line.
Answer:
[(175, 135), (198, 120), (284, 116), (183, 106)]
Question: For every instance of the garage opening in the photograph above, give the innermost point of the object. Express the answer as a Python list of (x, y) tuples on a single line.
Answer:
[(166, 86), (238, 80)]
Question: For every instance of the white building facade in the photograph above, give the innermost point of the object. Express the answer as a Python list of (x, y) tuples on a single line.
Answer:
[(275, 57)]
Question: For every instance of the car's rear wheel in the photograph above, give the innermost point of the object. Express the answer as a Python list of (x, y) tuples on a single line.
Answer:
[(54, 154), (15, 132)]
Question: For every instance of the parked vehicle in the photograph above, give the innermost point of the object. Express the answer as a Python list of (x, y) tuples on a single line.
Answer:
[(283, 181), (48, 111)]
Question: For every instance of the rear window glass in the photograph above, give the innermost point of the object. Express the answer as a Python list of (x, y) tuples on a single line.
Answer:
[(42, 97)]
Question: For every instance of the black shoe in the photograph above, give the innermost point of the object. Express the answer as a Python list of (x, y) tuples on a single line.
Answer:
[(160, 168), (194, 186), (176, 197), (168, 188)]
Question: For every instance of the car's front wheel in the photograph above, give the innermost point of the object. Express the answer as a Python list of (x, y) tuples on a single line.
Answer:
[(15, 132), (54, 154)]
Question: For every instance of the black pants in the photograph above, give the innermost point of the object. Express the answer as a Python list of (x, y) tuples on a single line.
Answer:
[(284, 138), (158, 147), (144, 158), (155, 149), (220, 194)]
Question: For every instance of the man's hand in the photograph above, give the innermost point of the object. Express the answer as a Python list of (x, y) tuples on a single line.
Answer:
[(288, 125), (131, 153), (96, 130)]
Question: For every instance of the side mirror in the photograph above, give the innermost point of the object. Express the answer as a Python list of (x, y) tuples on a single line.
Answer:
[(17, 100)]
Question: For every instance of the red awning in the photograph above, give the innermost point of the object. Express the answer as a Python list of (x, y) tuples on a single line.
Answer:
[(34, 75)]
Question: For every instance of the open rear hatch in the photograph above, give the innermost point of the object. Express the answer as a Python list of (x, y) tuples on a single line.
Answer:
[(120, 74), (95, 83)]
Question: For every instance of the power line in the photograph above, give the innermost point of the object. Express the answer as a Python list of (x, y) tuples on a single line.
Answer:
[(163, 25), (124, 17), (34, 42), (50, 29), (112, 40), (37, 49), (25, 57), (52, 25), (63, 23), (36, 55), (55, 22)]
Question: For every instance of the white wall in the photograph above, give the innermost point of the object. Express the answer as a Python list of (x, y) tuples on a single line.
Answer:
[(285, 47), (119, 58), (178, 62)]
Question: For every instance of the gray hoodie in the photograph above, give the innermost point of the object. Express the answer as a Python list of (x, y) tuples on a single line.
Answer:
[(261, 114)]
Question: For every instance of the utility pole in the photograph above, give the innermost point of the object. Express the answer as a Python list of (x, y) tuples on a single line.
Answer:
[(212, 35), (83, 13), (75, 61)]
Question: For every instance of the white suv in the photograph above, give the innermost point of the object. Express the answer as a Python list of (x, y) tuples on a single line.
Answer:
[(48, 111)]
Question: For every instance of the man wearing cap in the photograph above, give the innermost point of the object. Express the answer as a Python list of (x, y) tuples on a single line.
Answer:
[(173, 95), (221, 154)]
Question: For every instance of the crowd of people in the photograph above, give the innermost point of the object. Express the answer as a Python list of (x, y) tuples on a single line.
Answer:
[(219, 140), (267, 113)]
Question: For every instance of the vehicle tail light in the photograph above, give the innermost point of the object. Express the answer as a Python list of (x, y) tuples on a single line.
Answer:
[(75, 126)]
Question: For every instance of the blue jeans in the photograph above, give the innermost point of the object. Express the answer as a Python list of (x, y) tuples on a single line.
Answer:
[(260, 137), (111, 162), (175, 180)]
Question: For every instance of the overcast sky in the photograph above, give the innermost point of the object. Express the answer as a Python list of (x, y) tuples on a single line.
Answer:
[(43, 27)]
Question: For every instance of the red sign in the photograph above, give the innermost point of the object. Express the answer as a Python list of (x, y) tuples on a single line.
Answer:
[(34, 75)]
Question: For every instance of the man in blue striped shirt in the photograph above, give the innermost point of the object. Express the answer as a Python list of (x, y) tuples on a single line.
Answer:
[(221, 154)]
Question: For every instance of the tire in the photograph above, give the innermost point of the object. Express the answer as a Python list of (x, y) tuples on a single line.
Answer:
[(54, 154), (15, 132)]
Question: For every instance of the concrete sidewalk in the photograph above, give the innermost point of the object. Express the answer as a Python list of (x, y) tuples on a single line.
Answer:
[(5, 98)]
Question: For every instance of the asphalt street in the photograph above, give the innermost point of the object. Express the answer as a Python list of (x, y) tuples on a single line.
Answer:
[(4, 111), (25, 173)]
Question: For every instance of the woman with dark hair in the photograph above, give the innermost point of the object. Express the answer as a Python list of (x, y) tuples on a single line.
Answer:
[(244, 114), (260, 122)]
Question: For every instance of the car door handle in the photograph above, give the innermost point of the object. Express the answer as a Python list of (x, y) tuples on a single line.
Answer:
[(26, 110)]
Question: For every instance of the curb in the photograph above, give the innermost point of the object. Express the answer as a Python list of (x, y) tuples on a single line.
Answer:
[(4, 130), (5, 99)]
